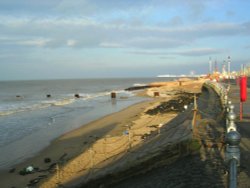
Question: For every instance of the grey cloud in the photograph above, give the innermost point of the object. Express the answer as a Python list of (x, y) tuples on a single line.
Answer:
[(86, 33), (147, 52), (91, 7), (191, 52), (166, 57), (28, 6), (199, 52), (154, 42)]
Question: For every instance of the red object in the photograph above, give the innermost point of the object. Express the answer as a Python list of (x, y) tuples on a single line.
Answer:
[(243, 88)]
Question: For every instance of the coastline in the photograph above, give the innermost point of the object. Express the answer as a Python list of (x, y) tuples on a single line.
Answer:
[(70, 145)]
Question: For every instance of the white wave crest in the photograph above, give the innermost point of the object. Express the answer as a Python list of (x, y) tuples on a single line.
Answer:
[(63, 102)]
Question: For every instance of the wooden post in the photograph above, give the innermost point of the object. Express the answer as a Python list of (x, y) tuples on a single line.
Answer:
[(194, 116), (156, 94), (159, 128), (241, 111), (195, 102), (58, 173), (129, 137), (104, 147), (113, 95)]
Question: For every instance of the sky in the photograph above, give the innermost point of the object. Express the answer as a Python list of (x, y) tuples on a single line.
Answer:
[(60, 39)]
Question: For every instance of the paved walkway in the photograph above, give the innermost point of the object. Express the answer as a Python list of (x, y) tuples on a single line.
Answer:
[(244, 129)]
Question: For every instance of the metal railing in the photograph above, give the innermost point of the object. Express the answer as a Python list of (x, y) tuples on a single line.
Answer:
[(232, 138), (232, 155)]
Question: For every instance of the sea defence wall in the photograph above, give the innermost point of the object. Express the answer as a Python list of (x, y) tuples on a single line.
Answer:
[(219, 89), (166, 145), (172, 141), (124, 156)]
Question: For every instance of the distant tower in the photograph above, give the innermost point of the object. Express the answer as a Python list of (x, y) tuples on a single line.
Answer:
[(224, 72), (215, 66), (210, 65), (228, 65)]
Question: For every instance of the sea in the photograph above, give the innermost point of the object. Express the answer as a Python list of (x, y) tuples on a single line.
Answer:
[(34, 113)]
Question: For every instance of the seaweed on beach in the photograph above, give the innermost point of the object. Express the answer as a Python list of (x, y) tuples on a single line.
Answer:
[(133, 88), (173, 105)]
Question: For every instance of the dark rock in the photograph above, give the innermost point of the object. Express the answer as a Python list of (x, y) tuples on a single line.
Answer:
[(174, 105), (47, 160), (77, 96), (137, 88), (12, 170), (22, 172)]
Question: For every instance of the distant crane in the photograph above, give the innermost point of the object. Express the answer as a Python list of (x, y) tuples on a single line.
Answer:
[(228, 65), (215, 66)]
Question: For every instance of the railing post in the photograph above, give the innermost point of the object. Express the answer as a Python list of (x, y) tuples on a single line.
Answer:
[(233, 173), (228, 104), (231, 116), (225, 100), (232, 152), (232, 156)]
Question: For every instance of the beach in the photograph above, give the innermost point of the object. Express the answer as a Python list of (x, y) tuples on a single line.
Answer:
[(69, 151)]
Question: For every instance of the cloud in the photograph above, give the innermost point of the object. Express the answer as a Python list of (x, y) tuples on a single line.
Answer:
[(197, 7), (154, 42), (195, 52), (35, 42), (81, 32), (110, 45), (148, 52), (71, 43), (199, 52)]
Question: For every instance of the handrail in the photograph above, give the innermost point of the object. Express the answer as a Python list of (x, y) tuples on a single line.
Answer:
[(233, 173), (232, 151)]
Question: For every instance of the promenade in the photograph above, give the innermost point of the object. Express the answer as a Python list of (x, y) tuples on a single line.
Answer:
[(244, 129)]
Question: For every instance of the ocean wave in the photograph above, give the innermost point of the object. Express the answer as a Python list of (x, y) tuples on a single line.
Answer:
[(139, 84), (25, 107), (68, 99), (63, 102), (22, 108), (89, 96)]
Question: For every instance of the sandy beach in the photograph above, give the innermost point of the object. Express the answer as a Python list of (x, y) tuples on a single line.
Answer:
[(71, 152)]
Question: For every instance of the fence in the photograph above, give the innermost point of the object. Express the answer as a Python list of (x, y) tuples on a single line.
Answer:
[(232, 138), (136, 145)]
